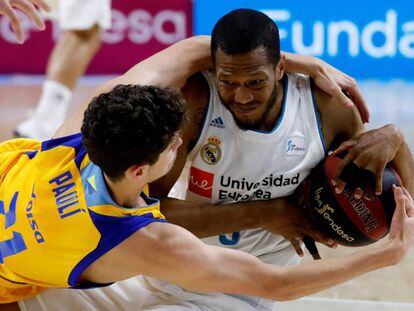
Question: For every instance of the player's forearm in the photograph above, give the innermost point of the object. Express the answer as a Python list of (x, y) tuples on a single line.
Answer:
[(171, 67), (239, 273), (299, 281), (183, 259), (205, 220), (300, 64), (319, 275)]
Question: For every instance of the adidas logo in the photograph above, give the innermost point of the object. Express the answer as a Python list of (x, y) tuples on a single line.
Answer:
[(217, 122)]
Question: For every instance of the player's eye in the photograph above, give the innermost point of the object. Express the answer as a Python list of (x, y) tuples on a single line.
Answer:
[(256, 83), (226, 83)]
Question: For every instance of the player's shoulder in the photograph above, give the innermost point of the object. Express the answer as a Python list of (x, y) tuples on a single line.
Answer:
[(336, 118), (196, 89), (330, 107), (197, 95)]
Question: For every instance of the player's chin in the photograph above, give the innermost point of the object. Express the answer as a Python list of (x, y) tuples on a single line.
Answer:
[(245, 122)]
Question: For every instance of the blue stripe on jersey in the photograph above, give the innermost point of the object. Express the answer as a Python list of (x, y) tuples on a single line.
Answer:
[(315, 108), (206, 110), (74, 141), (114, 230), (79, 157)]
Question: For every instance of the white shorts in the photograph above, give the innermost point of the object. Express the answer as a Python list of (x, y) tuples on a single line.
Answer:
[(142, 293), (81, 14)]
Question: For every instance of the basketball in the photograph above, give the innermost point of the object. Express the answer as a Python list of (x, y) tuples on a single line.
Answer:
[(345, 219)]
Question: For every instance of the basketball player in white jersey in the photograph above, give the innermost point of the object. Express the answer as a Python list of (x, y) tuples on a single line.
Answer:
[(221, 219), (257, 134)]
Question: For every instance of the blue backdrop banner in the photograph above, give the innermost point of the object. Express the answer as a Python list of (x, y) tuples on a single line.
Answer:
[(367, 39)]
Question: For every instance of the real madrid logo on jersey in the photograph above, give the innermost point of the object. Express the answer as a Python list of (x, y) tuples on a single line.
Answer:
[(211, 152)]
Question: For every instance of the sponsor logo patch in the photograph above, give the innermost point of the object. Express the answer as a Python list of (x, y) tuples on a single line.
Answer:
[(201, 182), (217, 122), (295, 146), (211, 152)]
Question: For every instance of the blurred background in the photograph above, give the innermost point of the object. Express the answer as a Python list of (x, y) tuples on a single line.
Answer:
[(373, 41)]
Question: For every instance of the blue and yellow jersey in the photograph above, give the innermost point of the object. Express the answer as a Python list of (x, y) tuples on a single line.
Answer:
[(56, 215)]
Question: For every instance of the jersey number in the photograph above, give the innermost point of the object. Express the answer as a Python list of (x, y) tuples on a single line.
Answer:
[(235, 237), (16, 244)]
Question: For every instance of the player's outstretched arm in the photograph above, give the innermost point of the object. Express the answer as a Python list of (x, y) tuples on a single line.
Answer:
[(7, 7), (171, 253), (170, 67)]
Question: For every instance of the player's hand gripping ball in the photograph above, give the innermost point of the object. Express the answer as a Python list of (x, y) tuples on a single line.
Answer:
[(347, 220)]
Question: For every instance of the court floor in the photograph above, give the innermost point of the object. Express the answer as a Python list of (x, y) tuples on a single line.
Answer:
[(389, 102)]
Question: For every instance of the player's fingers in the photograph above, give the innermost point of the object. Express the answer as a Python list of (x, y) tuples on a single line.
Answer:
[(409, 203), (30, 10), (378, 180), (15, 22), (345, 100), (318, 236), (407, 194), (42, 4), (342, 164), (343, 147), (297, 246), (358, 193), (359, 101), (340, 186), (397, 223), (332, 88), (326, 83), (409, 208), (311, 247), (402, 202), (368, 195), (325, 240)]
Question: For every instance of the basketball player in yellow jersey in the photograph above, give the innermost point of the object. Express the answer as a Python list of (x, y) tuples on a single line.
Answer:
[(60, 212), (74, 212)]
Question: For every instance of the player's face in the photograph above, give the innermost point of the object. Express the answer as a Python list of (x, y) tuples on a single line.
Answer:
[(247, 86), (166, 159)]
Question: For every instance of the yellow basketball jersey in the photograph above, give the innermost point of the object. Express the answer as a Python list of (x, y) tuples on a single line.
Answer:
[(56, 216)]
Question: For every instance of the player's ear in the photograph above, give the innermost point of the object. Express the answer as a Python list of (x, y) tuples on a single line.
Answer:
[(136, 171), (280, 67)]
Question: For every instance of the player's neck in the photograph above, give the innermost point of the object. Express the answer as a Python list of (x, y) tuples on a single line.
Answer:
[(124, 194)]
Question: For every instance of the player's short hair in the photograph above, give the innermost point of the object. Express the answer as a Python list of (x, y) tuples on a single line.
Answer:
[(129, 125), (244, 30)]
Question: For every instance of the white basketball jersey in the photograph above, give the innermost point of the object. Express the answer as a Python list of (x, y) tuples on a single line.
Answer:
[(229, 165)]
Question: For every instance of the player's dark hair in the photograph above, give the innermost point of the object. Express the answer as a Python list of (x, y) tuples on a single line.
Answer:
[(244, 30), (129, 125)]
